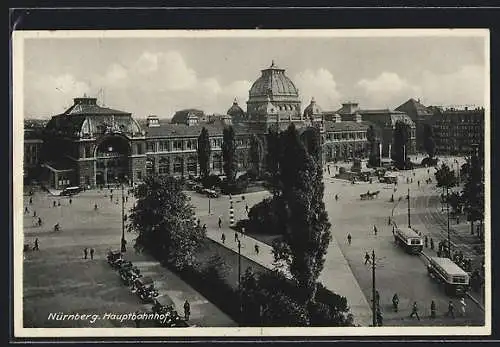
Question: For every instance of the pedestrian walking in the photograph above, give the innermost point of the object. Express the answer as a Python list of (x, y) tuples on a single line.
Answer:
[(395, 302), (111, 198), (380, 318), (187, 310), (418, 182), (246, 208), (34, 214), (111, 191), (336, 197), (54, 203), (414, 311), (220, 222), (26, 210), (39, 221), (85, 252), (31, 201), (92, 253), (235, 236), (328, 167), (349, 239), (433, 309), (426, 241), (388, 220), (256, 249), (126, 198), (95, 207), (451, 310), (223, 238), (367, 258), (463, 306), (36, 248), (375, 230), (59, 203), (70, 201)]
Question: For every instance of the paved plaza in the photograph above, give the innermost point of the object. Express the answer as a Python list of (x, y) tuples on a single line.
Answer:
[(58, 279)]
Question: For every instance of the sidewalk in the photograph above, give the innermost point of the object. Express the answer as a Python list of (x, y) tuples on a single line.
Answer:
[(203, 312), (336, 275)]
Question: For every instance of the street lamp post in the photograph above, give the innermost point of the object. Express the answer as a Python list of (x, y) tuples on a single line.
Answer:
[(239, 278), (374, 291), (123, 241), (448, 223), (409, 224), (209, 205)]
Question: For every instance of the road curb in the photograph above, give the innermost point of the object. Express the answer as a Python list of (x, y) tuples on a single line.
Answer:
[(467, 294)]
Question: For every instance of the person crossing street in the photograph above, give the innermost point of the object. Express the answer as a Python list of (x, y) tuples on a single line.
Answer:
[(414, 311), (85, 252), (367, 258), (349, 239)]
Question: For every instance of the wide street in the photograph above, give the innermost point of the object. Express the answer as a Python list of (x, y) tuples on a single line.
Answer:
[(396, 271)]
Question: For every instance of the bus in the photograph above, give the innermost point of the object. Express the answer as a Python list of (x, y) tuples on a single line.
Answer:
[(409, 239), (455, 279), (69, 191)]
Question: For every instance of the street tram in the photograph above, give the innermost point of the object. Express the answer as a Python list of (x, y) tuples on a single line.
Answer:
[(408, 239), (455, 279)]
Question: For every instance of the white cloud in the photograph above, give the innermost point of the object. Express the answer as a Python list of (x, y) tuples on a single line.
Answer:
[(386, 90), (46, 95), (465, 86), (319, 84)]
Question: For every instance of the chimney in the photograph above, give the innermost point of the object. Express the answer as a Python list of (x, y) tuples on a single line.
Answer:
[(153, 121)]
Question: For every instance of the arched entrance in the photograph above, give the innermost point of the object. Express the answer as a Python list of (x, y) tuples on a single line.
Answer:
[(112, 160)]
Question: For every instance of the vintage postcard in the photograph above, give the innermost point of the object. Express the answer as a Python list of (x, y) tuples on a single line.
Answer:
[(251, 183)]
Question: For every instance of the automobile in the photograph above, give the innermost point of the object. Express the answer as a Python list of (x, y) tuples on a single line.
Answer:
[(144, 288), (70, 191), (129, 275), (198, 188), (164, 305), (210, 193), (113, 255)]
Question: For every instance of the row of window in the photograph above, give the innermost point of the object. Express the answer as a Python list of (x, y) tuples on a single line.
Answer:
[(187, 145), (165, 167), (346, 136)]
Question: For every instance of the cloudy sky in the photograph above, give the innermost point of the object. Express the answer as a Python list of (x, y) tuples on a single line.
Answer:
[(161, 75)]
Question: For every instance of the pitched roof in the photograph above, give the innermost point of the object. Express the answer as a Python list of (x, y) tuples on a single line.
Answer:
[(167, 129), (413, 106), (182, 115), (331, 126), (83, 109)]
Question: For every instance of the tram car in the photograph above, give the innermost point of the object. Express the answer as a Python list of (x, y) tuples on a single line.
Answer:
[(409, 239), (444, 270)]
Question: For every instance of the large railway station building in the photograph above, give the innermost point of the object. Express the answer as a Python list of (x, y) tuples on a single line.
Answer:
[(90, 145)]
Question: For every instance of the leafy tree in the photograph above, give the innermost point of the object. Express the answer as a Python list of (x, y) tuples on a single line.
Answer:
[(273, 157), (455, 201), (164, 220), (256, 154), (373, 159), (312, 141), (400, 141), (307, 229), (229, 154), (445, 177), (429, 143), (473, 192), (204, 150)]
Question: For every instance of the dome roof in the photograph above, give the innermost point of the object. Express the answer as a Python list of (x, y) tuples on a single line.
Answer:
[(235, 109), (312, 109), (273, 81)]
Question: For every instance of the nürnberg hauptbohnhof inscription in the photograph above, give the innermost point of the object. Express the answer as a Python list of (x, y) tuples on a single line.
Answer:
[(254, 181)]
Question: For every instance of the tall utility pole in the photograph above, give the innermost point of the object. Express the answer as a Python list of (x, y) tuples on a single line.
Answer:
[(448, 221), (239, 279), (123, 247), (409, 224), (374, 291)]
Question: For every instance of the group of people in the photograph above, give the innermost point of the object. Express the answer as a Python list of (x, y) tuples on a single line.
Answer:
[(86, 252), (415, 308)]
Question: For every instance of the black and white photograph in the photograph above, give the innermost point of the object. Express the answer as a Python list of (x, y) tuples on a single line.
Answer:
[(251, 182)]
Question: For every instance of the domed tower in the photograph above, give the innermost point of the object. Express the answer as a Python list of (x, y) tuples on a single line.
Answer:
[(236, 112), (273, 91), (313, 113)]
